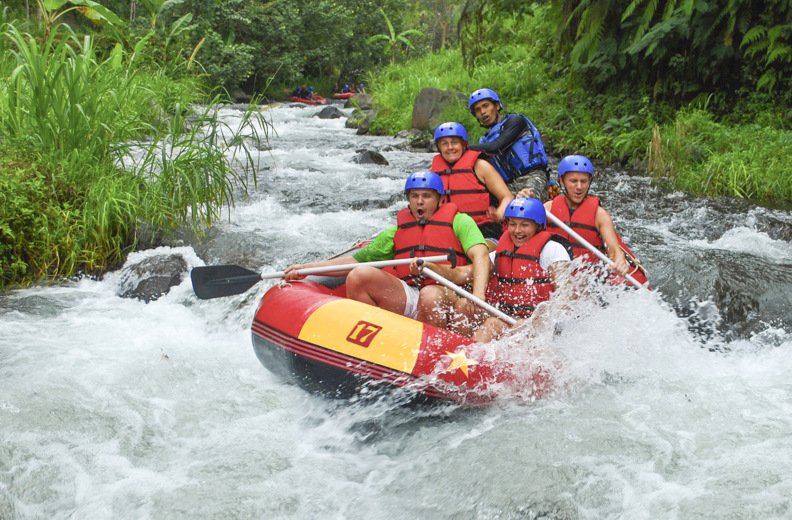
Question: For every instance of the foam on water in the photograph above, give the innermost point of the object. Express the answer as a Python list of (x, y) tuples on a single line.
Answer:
[(113, 408)]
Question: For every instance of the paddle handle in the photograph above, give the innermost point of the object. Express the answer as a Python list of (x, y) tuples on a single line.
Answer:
[(460, 291), (348, 267), (582, 241)]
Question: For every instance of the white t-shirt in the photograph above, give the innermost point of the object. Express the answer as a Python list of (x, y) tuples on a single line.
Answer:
[(551, 253)]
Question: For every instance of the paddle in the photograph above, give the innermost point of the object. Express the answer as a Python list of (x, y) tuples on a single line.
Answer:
[(558, 222), (215, 281), (460, 291)]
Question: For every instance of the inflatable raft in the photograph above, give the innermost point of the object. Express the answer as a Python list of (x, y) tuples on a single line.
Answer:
[(343, 95), (313, 335), (316, 100)]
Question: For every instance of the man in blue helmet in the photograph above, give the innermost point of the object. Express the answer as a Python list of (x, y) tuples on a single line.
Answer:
[(427, 227), (512, 143), (586, 216), (528, 265), (470, 182), (345, 89)]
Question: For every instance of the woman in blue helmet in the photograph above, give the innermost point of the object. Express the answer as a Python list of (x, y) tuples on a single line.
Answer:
[(428, 226), (512, 143), (470, 182), (528, 266)]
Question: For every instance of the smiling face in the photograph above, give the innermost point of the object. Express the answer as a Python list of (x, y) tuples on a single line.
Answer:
[(521, 230), (576, 185), (451, 148), (486, 111), (423, 202)]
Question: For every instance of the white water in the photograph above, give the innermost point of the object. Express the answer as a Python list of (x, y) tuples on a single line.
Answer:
[(113, 408)]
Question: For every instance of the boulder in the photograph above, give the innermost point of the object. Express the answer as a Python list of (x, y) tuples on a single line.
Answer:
[(361, 101), (354, 120), (152, 277), (329, 113), (416, 141), (363, 127), (430, 105), (370, 157)]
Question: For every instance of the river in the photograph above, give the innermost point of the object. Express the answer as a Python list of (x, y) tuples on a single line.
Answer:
[(675, 403)]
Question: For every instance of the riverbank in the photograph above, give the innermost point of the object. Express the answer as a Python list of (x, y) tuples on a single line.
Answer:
[(739, 153), (92, 149)]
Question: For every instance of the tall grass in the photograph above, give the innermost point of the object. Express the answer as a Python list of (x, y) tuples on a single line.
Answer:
[(72, 119), (704, 157), (688, 148)]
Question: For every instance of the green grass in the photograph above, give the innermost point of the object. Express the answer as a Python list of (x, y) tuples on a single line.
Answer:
[(69, 122), (701, 156), (738, 153)]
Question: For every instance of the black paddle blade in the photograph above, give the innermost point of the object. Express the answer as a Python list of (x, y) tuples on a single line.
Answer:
[(215, 281)]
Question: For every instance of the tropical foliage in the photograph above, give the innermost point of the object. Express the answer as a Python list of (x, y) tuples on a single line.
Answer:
[(103, 149)]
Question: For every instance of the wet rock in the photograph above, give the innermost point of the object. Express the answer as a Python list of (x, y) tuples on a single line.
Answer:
[(416, 141), (242, 97), (369, 157), (242, 107), (152, 277), (354, 120), (329, 113), (361, 101), (364, 125), (430, 105)]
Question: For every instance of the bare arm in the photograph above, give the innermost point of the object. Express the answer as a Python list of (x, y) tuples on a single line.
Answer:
[(511, 130), (459, 275), (292, 274), (490, 177), (479, 259), (604, 224)]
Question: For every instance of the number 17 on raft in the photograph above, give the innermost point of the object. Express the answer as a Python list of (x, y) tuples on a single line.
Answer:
[(363, 333)]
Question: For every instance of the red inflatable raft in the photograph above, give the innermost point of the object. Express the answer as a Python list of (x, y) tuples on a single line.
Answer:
[(343, 95), (315, 336), (316, 100)]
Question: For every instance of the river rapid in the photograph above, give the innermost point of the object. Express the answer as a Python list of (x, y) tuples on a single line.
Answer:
[(675, 403)]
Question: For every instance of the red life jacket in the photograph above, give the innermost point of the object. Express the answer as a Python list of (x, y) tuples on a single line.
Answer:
[(462, 187), (522, 284), (430, 237), (582, 222)]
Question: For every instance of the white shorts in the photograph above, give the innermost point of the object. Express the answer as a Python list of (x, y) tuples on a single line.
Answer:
[(411, 294)]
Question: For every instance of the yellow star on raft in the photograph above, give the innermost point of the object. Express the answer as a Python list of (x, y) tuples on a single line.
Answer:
[(460, 361)]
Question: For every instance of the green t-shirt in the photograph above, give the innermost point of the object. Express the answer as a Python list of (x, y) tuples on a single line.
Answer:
[(381, 248)]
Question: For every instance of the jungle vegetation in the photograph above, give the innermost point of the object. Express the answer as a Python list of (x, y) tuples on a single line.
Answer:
[(695, 91)]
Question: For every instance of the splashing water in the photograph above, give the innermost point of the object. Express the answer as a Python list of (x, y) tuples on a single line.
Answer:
[(673, 403)]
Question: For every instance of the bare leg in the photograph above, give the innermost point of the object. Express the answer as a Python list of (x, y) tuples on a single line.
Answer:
[(464, 322), (376, 287), (435, 305), (492, 329)]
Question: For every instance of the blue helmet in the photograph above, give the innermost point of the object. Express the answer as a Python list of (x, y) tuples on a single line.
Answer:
[(526, 207), (451, 130), (482, 93), (310, 88), (346, 86), (361, 84), (425, 179), (575, 163)]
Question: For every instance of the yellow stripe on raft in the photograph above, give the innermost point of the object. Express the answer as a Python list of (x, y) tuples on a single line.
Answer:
[(365, 332)]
